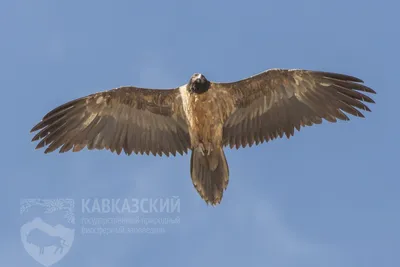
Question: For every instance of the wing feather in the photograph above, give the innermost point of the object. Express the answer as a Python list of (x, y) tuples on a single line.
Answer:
[(128, 119), (274, 103)]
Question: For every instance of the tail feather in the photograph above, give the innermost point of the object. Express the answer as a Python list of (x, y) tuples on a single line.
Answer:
[(210, 174)]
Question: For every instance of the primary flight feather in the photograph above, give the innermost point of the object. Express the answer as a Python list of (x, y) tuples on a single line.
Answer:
[(204, 117)]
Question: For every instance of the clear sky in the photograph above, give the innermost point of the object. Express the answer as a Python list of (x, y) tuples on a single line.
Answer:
[(329, 196)]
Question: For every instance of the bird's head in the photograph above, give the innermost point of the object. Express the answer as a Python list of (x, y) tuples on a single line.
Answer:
[(198, 84)]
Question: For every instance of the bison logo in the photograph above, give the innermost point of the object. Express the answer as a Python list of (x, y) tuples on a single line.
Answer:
[(46, 238)]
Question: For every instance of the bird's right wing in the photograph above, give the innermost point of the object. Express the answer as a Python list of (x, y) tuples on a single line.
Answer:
[(275, 102), (128, 118)]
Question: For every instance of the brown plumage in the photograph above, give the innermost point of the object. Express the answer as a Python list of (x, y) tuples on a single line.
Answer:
[(203, 116)]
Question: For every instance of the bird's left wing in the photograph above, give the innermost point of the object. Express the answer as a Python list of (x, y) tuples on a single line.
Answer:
[(273, 103), (128, 118)]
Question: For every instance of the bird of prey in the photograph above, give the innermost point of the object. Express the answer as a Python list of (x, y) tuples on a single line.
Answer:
[(203, 117)]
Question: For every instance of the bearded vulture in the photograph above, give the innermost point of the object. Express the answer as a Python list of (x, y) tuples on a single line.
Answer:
[(204, 117)]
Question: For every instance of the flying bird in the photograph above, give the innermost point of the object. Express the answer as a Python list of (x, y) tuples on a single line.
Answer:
[(203, 117)]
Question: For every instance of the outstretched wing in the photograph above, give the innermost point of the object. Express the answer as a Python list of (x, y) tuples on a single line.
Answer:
[(132, 119), (273, 103)]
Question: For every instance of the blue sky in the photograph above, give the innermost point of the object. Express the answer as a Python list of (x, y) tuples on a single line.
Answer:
[(329, 196)]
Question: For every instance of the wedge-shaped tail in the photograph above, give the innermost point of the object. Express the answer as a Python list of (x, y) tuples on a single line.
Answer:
[(210, 174)]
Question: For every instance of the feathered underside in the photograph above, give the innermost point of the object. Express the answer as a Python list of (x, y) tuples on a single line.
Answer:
[(260, 108)]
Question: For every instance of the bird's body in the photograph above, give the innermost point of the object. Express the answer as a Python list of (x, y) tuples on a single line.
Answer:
[(203, 117), (206, 116)]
